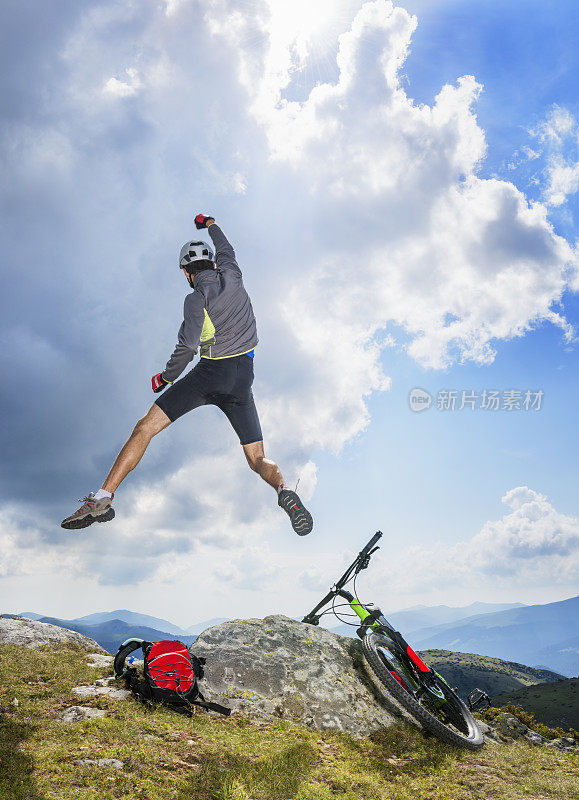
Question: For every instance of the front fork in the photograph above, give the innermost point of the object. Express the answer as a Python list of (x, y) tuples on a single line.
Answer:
[(380, 624)]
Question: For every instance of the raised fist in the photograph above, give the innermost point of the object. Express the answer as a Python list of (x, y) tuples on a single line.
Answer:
[(201, 221)]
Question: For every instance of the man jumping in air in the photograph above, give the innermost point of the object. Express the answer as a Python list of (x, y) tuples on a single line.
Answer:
[(218, 318)]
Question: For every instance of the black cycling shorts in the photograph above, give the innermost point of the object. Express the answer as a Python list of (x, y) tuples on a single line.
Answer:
[(225, 383)]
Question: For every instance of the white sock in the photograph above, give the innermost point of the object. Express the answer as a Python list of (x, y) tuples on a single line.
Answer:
[(280, 488), (101, 493)]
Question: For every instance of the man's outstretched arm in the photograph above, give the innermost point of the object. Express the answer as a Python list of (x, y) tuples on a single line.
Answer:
[(224, 252)]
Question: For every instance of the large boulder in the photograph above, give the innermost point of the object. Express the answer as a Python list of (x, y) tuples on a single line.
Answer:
[(30, 633), (277, 667)]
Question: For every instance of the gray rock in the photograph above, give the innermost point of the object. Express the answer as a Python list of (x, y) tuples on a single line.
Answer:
[(535, 738), (80, 714), (98, 691), (489, 733), (99, 660), (277, 667), (556, 744), (569, 741), (106, 682), (113, 763), (564, 743), (30, 633), (509, 726)]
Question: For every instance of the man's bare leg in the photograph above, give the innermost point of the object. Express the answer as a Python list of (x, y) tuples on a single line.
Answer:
[(300, 517), (154, 421), (267, 469), (98, 507)]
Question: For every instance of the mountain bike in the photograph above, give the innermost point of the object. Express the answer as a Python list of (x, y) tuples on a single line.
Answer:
[(422, 691)]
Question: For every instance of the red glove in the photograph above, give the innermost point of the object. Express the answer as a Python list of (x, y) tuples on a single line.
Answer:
[(158, 383), (201, 221)]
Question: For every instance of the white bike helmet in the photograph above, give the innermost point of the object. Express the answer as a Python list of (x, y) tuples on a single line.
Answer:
[(192, 252)]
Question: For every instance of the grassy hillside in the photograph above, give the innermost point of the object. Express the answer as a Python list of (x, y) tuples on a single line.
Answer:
[(554, 704), (468, 671), (213, 758)]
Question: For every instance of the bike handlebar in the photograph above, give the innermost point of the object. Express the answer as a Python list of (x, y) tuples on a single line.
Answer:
[(364, 553), (365, 550)]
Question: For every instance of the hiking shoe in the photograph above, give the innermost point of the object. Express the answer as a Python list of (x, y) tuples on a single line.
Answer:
[(91, 510), (300, 517)]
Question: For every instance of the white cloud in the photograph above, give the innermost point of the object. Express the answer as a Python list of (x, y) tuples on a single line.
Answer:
[(38, 154), (563, 181), (173, 6), (313, 580), (252, 569), (365, 210), (558, 137), (531, 545), (125, 88), (23, 550), (412, 235), (533, 537)]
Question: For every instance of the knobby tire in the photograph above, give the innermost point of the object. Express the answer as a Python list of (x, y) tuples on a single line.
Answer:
[(473, 741)]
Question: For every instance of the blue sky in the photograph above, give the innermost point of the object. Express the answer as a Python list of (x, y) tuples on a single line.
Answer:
[(398, 226)]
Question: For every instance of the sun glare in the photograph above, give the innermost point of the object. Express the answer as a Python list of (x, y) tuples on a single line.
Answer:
[(307, 25)]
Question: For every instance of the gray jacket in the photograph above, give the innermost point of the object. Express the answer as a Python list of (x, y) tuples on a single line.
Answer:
[(217, 314)]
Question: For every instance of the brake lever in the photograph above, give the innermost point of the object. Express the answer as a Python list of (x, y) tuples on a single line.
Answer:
[(363, 563), (365, 560)]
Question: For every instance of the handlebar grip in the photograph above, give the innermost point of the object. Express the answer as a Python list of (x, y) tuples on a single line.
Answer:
[(372, 541)]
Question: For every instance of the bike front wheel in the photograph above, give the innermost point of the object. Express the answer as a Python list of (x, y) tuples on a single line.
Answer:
[(448, 719)]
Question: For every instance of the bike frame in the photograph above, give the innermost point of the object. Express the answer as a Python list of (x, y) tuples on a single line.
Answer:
[(416, 672)]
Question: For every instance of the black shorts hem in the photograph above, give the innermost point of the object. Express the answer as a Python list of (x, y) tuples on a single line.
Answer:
[(161, 405), (251, 441)]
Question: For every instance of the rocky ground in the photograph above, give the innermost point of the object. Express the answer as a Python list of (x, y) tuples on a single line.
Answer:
[(506, 728), (69, 729), (268, 669)]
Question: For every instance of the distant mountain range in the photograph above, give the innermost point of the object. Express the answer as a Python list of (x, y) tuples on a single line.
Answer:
[(111, 628), (132, 618), (112, 633), (538, 635), (210, 623), (418, 617), (543, 634)]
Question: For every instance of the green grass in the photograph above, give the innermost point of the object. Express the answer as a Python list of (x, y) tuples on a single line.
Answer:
[(210, 757), (468, 671), (554, 704)]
